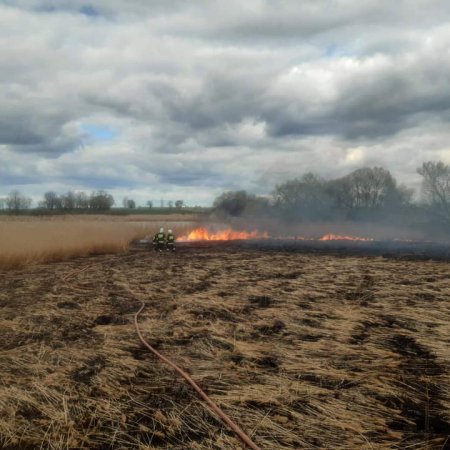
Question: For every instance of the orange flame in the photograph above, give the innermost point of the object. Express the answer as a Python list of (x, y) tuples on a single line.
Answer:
[(203, 234), (337, 237)]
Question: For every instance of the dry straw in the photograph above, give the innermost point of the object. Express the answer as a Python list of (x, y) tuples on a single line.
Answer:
[(31, 241), (305, 351)]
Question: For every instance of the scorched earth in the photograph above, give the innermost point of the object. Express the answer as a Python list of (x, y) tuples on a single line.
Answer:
[(303, 350)]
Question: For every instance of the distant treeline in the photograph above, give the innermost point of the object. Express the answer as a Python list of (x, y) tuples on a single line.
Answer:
[(366, 194), (82, 203)]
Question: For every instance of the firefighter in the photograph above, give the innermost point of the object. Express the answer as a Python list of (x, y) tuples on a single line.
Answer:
[(159, 241), (170, 245)]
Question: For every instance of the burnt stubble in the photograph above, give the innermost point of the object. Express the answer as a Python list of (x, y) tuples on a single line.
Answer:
[(309, 348)]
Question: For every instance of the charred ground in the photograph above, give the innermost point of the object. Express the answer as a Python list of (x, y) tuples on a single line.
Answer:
[(304, 350)]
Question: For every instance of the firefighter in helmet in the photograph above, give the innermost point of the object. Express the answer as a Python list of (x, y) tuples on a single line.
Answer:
[(159, 241), (170, 242)]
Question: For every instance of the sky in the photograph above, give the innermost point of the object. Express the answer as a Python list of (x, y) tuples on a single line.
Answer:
[(181, 99)]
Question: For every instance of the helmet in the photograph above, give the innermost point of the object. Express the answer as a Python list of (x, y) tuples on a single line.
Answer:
[(169, 231), (161, 230)]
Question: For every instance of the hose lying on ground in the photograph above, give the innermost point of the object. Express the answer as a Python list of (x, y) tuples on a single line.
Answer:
[(241, 434), (237, 430)]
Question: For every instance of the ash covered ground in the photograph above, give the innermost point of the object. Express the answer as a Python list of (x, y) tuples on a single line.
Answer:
[(310, 348)]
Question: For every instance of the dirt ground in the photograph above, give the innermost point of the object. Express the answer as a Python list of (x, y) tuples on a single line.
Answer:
[(304, 351)]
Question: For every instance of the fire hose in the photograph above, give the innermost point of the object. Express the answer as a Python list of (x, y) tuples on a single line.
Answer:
[(214, 407), (237, 430)]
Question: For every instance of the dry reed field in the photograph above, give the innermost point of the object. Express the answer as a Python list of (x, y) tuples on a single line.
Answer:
[(30, 240), (304, 351)]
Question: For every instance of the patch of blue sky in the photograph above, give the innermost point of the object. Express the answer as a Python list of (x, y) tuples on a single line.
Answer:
[(100, 132), (337, 51), (89, 10), (85, 10)]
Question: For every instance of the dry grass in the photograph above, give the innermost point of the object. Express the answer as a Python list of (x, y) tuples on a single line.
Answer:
[(58, 239), (304, 351), (134, 218)]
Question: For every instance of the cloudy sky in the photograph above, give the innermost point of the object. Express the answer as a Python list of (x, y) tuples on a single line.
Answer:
[(158, 99)]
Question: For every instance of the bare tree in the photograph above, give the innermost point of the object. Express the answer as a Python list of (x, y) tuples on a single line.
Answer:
[(363, 193), (51, 200), (16, 201), (128, 203), (369, 190), (179, 204), (436, 186), (303, 198), (101, 201), (68, 201), (239, 203), (131, 204), (81, 200)]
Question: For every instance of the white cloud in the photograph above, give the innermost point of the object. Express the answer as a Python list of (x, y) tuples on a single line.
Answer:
[(204, 97)]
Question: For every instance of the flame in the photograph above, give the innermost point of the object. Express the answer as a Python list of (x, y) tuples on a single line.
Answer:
[(203, 234), (337, 237)]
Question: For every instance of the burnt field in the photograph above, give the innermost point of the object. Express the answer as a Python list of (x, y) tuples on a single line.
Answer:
[(306, 346)]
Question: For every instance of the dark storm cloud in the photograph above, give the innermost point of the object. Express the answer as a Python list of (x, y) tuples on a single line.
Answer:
[(204, 95)]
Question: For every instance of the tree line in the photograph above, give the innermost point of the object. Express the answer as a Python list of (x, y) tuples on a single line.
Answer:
[(369, 193), (97, 201), (71, 201)]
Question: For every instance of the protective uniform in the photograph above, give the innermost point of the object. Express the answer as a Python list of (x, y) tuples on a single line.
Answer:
[(170, 241), (159, 241)]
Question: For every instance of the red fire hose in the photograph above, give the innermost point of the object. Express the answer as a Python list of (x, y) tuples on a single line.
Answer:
[(241, 434), (237, 430)]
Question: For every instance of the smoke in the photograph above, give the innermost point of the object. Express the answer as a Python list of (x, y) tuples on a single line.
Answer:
[(277, 228), (367, 203)]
